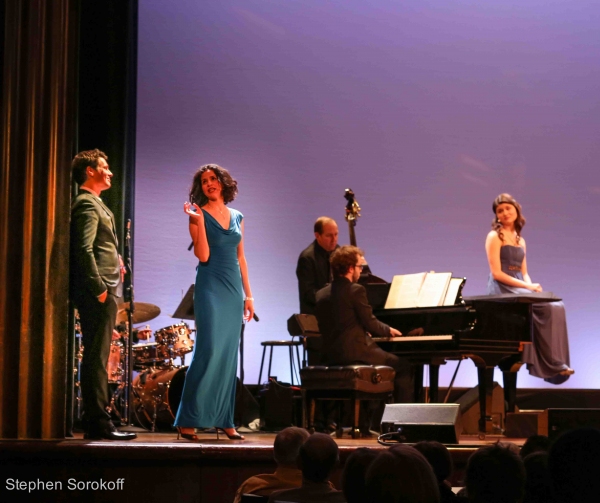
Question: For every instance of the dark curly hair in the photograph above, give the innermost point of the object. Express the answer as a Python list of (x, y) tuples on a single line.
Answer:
[(84, 159), (228, 185), (343, 258), (519, 222)]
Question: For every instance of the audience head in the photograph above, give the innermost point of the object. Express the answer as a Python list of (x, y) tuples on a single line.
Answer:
[(345, 258), (401, 475), (318, 457), (326, 233), (535, 443), (287, 446), (495, 474), (438, 457), (574, 465), (355, 470), (538, 488)]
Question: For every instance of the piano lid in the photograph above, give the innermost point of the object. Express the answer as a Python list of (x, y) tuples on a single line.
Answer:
[(525, 298)]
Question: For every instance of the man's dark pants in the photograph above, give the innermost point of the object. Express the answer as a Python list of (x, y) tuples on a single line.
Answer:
[(97, 321)]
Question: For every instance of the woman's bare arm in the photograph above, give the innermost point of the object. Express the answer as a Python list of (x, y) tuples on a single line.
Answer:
[(249, 301)]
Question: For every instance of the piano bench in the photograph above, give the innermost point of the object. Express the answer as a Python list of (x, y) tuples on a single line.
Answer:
[(349, 382)]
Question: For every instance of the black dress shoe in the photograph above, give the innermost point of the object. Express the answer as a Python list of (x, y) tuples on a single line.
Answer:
[(107, 432)]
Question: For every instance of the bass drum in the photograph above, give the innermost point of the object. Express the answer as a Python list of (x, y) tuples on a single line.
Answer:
[(156, 397)]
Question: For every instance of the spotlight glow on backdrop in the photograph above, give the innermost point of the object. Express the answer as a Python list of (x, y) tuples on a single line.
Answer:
[(426, 109)]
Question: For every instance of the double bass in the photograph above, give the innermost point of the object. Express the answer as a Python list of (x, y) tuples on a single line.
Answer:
[(352, 213)]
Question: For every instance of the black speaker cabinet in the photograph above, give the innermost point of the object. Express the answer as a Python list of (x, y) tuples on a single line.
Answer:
[(553, 422), (423, 421)]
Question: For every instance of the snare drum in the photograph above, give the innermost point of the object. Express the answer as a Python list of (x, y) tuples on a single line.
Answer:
[(175, 337), (114, 369), (148, 354), (156, 396)]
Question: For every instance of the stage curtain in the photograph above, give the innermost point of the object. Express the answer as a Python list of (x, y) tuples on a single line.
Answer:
[(38, 142)]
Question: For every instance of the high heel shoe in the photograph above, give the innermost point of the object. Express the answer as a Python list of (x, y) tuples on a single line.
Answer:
[(188, 436), (235, 436)]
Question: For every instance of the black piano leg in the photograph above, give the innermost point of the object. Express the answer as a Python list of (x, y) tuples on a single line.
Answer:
[(510, 390), (418, 383), (434, 378), (485, 376)]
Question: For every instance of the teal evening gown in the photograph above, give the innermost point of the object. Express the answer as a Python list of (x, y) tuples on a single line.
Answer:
[(208, 396)]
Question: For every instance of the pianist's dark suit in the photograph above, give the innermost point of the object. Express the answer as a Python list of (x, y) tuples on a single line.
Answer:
[(94, 269), (345, 317)]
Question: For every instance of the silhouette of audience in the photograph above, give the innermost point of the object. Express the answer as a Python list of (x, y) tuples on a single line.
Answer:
[(439, 458), (287, 475), (353, 476), (317, 458), (535, 443), (401, 475), (495, 474), (538, 488), (574, 466)]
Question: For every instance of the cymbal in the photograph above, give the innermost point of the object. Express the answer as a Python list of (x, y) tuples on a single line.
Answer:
[(142, 312)]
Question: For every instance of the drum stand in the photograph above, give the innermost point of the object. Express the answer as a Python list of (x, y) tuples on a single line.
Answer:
[(77, 369), (113, 406)]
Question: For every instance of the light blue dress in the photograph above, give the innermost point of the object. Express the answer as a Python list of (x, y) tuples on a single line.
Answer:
[(208, 397), (549, 353)]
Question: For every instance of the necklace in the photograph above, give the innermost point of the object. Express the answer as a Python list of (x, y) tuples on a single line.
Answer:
[(219, 210)]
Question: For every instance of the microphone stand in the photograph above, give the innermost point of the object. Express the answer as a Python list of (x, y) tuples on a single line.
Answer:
[(128, 294)]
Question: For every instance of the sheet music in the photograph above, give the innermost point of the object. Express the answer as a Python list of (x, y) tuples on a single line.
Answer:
[(405, 290), (433, 290), (452, 292)]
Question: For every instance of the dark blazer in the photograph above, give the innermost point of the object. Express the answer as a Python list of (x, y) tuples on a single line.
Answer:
[(95, 265), (313, 273), (345, 317)]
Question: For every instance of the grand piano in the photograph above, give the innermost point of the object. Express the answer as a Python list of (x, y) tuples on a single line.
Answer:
[(490, 330)]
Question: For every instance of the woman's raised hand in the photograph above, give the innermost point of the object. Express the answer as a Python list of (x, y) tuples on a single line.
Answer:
[(193, 210)]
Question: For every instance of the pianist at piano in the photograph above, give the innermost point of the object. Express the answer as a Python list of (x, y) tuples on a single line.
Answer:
[(548, 355), (346, 321)]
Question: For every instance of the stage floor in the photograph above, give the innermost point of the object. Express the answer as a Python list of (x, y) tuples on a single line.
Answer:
[(158, 467), (261, 440)]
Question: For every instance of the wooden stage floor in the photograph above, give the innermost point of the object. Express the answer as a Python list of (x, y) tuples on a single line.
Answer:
[(158, 467)]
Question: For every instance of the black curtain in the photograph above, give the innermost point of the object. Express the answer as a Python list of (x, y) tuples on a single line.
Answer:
[(68, 84)]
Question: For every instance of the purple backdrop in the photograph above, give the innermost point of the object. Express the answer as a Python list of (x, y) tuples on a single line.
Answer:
[(426, 110)]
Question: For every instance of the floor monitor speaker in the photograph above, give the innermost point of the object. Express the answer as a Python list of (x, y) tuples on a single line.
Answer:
[(554, 422), (414, 422)]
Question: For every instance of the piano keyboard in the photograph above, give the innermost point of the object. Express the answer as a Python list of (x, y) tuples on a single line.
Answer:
[(414, 338)]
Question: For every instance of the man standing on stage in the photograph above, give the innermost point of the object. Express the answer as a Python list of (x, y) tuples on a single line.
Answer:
[(96, 281), (346, 322), (313, 272)]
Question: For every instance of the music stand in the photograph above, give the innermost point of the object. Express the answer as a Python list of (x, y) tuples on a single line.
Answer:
[(185, 309)]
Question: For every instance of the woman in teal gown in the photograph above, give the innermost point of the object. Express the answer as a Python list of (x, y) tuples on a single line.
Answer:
[(208, 396), (548, 355)]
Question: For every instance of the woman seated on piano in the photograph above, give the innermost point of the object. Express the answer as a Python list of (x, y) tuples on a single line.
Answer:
[(548, 356)]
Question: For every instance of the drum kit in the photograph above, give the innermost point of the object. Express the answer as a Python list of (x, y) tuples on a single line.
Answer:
[(156, 389)]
